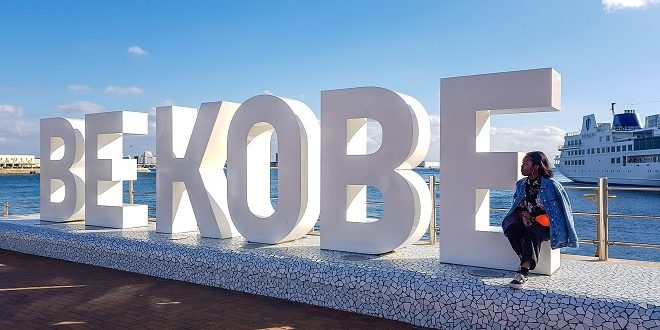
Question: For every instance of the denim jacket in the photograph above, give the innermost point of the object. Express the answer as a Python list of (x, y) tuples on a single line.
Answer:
[(557, 206)]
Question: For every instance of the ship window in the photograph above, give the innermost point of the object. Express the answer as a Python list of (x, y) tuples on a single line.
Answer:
[(618, 148), (608, 149), (603, 149), (630, 147), (618, 160), (612, 160), (598, 150), (600, 139), (607, 138)]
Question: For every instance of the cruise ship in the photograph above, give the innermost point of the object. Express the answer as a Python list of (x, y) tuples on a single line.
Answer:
[(623, 151)]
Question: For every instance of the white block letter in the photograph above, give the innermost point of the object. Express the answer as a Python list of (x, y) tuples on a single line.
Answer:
[(468, 170), (106, 169), (248, 172), (192, 188), (62, 179), (345, 170)]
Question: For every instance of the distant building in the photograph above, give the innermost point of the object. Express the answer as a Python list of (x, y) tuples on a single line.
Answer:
[(19, 161), (652, 121), (147, 159), (429, 164)]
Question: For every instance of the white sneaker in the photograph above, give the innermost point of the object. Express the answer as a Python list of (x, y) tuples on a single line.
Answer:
[(519, 281)]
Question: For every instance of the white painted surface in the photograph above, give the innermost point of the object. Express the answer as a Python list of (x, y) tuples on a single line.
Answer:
[(106, 170), (191, 184), (248, 169), (346, 170), (469, 169), (62, 178)]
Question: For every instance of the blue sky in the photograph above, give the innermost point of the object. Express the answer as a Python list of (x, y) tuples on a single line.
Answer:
[(68, 58)]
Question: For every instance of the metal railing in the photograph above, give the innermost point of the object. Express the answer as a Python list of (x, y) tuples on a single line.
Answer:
[(601, 215), (432, 232)]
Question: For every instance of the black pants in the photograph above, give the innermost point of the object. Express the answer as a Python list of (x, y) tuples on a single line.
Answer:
[(526, 241)]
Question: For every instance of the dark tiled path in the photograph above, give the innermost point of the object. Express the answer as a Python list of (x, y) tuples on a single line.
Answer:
[(37, 292)]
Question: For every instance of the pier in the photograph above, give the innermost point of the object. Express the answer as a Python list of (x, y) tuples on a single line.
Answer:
[(409, 285)]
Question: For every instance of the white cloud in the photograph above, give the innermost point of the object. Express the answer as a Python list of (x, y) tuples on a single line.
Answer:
[(19, 132), (78, 88), (269, 92), (8, 110), (136, 50), (613, 5), (434, 148), (17, 135), (80, 107), (545, 139), (375, 136), (115, 90)]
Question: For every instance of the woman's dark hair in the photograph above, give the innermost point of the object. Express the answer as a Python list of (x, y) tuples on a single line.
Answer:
[(539, 158)]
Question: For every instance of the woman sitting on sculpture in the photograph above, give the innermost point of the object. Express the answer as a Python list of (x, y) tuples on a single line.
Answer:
[(541, 211)]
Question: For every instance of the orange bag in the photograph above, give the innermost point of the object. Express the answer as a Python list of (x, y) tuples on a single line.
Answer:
[(543, 220)]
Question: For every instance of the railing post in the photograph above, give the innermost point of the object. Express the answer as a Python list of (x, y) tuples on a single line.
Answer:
[(5, 209), (432, 233), (601, 226), (131, 192)]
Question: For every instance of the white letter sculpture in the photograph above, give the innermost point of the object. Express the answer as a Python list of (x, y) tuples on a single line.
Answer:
[(346, 170), (248, 171), (106, 169), (192, 187), (468, 170), (62, 178)]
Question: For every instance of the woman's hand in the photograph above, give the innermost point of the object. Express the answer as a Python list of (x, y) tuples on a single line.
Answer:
[(526, 218)]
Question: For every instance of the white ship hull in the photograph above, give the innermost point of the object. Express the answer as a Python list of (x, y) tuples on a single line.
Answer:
[(626, 154), (650, 182)]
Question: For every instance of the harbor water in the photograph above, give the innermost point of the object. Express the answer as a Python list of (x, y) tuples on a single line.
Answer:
[(22, 194)]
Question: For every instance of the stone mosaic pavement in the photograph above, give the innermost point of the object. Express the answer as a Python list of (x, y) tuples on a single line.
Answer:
[(409, 285)]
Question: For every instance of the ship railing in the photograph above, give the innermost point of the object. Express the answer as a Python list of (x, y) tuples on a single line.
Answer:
[(572, 133), (567, 147)]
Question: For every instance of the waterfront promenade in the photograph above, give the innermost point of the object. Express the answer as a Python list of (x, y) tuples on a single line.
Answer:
[(409, 285), (38, 292)]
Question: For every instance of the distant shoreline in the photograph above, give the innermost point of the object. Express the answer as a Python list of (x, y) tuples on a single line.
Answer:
[(19, 171)]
